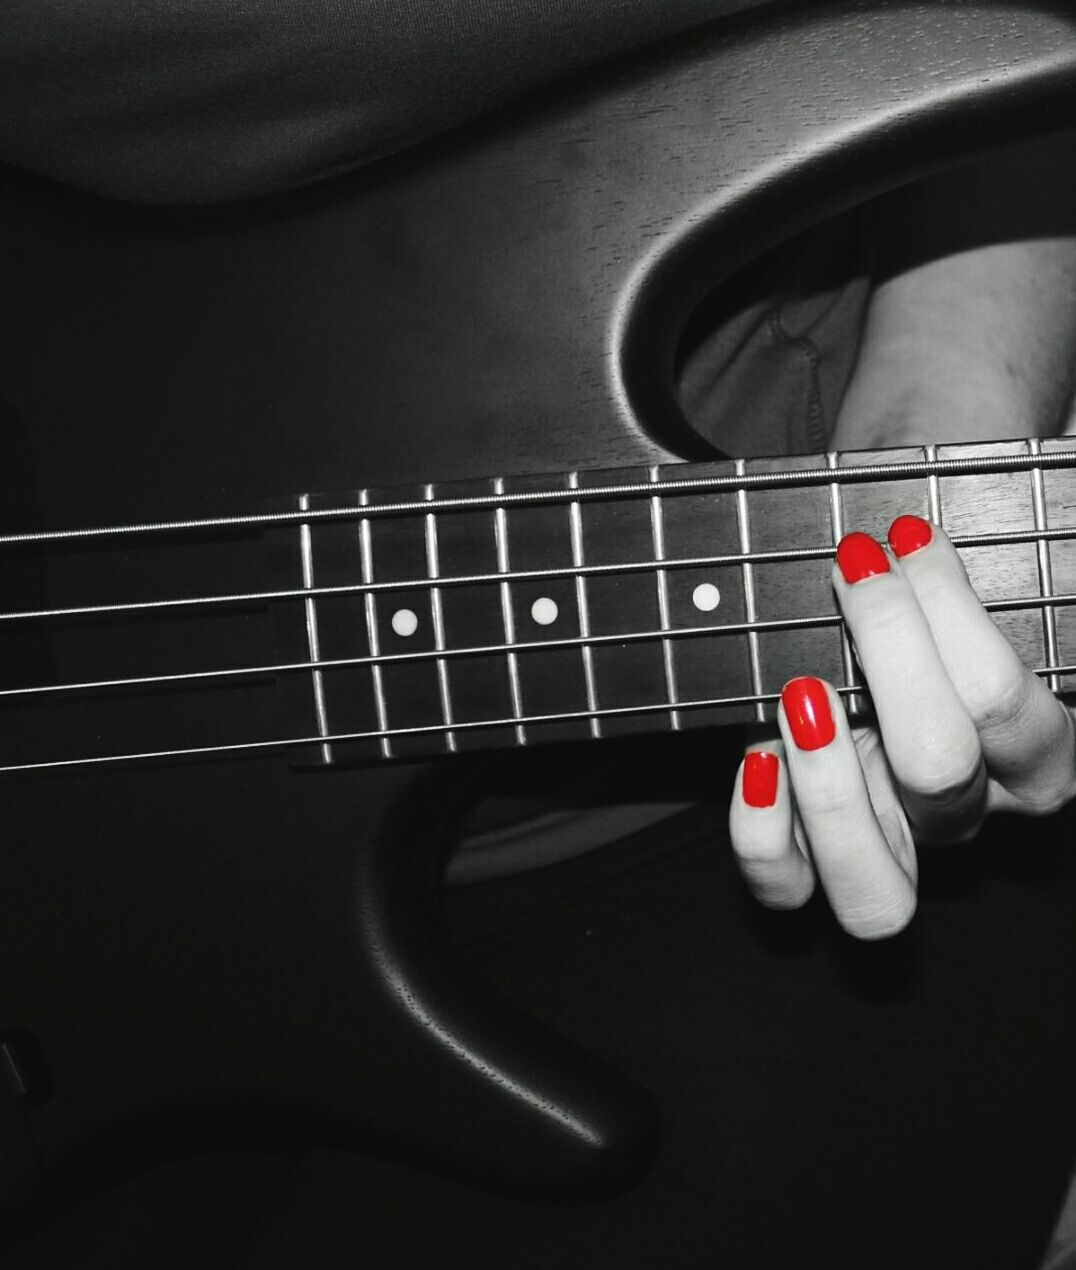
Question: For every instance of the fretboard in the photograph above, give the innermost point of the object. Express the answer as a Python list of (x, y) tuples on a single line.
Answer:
[(599, 603), (503, 612)]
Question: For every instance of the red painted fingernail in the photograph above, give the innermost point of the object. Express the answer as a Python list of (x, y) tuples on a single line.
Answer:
[(807, 710), (760, 779), (908, 534), (860, 557)]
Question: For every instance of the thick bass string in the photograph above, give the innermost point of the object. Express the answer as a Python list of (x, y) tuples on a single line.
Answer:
[(742, 653), (716, 484)]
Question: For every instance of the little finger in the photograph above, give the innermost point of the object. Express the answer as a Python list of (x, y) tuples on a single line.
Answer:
[(761, 826)]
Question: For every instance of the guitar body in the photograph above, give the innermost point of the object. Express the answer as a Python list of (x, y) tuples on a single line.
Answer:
[(249, 949)]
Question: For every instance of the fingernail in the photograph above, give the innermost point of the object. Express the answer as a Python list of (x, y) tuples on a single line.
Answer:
[(760, 779), (908, 534), (807, 710), (860, 557)]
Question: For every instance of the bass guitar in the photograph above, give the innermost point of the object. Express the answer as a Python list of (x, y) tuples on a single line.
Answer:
[(277, 573)]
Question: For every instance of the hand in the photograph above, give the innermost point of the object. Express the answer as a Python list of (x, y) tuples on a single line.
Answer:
[(963, 729)]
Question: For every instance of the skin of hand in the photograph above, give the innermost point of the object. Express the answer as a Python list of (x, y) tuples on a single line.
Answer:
[(970, 335), (963, 729)]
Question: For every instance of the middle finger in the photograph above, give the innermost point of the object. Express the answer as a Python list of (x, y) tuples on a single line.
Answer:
[(929, 737)]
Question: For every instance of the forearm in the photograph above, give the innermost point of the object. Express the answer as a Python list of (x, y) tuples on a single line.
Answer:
[(971, 329)]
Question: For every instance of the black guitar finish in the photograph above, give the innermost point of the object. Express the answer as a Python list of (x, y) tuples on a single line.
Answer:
[(255, 948)]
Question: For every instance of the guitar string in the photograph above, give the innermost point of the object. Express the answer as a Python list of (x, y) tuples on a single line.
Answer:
[(435, 729), (786, 555), (783, 479), (818, 621), (798, 478)]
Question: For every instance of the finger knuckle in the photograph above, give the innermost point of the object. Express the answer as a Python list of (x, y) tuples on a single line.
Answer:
[(998, 701), (788, 894), (762, 852), (880, 921), (875, 622), (1048, 801), (832, 800), (946, 776)]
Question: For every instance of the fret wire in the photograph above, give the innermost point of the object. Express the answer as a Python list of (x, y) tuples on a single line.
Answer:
[(657, 533), (515, 687), (575, 522), (801, 479), (521, 575), (383, 659), (1042, 549), (306, 551), (930, 454), (437, 617), (743, 523), (836, 517), (277, 743), (373, 638)]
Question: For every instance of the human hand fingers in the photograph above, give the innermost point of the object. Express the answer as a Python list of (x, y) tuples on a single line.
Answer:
[(866, 865), (931, 741), (1025, 733), (767, 841), (858, 837), (963, 727)]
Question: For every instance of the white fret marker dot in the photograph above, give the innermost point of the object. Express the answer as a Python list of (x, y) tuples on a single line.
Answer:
[(706, 597), (404, 622), (544, 611)]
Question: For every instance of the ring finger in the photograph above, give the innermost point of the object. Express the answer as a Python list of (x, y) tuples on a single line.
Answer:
[(1026, 734), (870, 892)]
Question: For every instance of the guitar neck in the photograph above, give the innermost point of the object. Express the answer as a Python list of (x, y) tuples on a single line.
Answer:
[(506, 613)]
